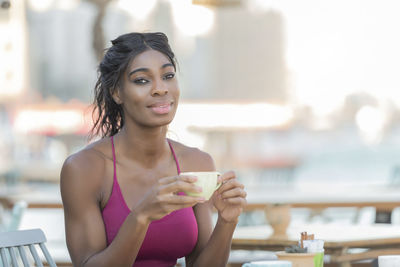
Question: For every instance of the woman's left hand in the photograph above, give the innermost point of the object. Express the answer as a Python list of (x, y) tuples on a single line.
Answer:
[(230, 198)]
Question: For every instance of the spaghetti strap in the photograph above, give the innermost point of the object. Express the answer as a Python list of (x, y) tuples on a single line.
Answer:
[(113, 153), (175, 158)]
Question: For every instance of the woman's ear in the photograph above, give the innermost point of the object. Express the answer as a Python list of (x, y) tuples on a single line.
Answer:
[(116, 95)]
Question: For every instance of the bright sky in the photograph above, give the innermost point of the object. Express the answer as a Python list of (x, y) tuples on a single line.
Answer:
[(339, 47)]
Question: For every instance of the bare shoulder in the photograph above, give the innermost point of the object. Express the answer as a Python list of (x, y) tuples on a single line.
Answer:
[(89, 159), (86, 167), (192, 158)]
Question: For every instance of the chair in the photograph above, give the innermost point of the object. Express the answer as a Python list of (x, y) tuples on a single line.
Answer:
[(9, 241), (12, 219), (16, 215)]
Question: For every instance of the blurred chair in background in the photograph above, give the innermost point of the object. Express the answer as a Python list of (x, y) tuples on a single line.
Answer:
[(10, 221), (10, 241), (395, 176)]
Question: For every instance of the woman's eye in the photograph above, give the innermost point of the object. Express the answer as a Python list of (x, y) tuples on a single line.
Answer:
[(169, 76), (140, 81)]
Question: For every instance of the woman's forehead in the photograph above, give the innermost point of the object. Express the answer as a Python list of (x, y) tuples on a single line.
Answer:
[(149, 59)]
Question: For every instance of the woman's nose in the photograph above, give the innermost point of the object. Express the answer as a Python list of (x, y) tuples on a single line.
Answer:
[(160, 88)]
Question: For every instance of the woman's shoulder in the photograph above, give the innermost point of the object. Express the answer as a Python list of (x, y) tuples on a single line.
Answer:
[(192, 158), (84, 173), (89, 161), (94, 153)]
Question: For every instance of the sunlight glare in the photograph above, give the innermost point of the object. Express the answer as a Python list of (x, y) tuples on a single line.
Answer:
[(370, 121), (67, 4), (137, 8), (40, 5), (194, 119), (338, 57), (192, 19), (63, 121)]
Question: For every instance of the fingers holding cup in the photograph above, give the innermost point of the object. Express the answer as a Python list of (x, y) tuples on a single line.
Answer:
[(231, 189), (208, 181), (223, 178), (180, 183), (229, 184), (234, 190)]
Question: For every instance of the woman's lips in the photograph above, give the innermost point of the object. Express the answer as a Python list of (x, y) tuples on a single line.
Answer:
[(161, 108)]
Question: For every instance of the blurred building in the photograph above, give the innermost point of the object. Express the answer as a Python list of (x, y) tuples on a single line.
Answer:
[(242, 58), (214, 65), (13, 59), (62, 62)]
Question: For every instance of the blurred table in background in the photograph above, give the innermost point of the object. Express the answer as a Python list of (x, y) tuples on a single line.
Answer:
[(36, 195), (343, 243), (383, 199), (379, 197)]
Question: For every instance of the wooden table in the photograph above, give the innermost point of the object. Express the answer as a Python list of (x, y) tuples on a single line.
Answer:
[(383, 198), (343, 243), (38, 196), (323, 196)]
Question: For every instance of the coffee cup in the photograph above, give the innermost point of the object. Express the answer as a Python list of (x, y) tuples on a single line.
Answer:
[(208, 181)]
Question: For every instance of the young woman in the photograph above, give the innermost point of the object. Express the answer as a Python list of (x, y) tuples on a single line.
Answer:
[(122, 194)]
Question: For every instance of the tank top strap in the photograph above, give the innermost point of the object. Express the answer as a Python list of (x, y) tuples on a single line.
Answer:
[(175, 158), (114, 160)]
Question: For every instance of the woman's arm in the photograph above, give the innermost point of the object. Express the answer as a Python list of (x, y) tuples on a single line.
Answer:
[(81, 182), (213, 246)]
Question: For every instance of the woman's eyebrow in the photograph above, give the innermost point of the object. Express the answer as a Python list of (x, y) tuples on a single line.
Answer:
[(147, 70), (137, 70), (167, 65)]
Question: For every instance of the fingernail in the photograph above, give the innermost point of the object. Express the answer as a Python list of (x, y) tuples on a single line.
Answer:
[(199, 189)]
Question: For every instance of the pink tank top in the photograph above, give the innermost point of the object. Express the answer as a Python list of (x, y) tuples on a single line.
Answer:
[(172, 237)]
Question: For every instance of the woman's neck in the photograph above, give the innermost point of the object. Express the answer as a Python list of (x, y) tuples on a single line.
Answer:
[(145, 146)]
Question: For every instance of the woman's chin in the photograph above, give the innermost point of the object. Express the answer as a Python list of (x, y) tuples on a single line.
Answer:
[(160, 122)]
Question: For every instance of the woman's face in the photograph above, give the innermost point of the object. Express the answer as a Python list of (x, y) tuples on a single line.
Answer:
[(150, 92)]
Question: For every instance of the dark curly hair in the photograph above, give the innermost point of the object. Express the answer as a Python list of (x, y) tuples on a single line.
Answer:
[(107, 115)]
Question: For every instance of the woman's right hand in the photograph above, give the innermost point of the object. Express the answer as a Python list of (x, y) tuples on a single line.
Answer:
[(163, 198)]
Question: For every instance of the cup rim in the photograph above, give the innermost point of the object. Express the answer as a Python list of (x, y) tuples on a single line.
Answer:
[(202, 172)]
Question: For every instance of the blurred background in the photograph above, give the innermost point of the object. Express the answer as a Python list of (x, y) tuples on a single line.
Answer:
[(302, 96)]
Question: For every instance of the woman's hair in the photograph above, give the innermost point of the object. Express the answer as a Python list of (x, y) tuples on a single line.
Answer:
[(107, 115)]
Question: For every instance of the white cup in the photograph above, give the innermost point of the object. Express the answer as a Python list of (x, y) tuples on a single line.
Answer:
[(389, 261), (268, 264), (208, 181)]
